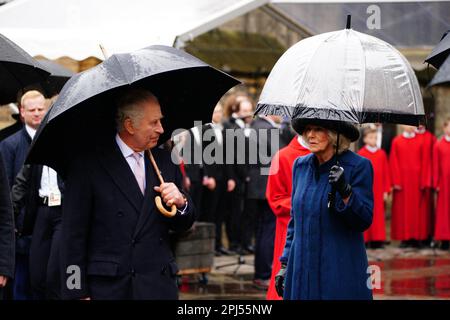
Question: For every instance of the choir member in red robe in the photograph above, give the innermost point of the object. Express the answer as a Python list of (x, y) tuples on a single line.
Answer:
[(410, 179), (278, 193), (442, 185), (428, 141), (375, 236)]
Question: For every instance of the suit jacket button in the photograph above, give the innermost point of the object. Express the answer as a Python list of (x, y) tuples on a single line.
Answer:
[(133, 242), (160, 240), (120, 214), (133, 273)]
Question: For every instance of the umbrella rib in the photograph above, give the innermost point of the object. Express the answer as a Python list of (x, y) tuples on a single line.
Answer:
[(121, 69), (309, 64)]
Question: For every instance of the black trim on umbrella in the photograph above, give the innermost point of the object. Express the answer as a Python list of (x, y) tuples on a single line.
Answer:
[(357, 117)]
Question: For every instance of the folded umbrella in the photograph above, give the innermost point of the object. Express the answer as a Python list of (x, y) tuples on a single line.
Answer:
[(83, 115), (17, 70)]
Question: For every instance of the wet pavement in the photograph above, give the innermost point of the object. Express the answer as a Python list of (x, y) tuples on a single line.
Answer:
[(405, 274)]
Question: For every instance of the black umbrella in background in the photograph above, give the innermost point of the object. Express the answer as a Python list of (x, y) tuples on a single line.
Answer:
[(17, 70), (83, 115), (443, 74), (59, 75), (440, 53)]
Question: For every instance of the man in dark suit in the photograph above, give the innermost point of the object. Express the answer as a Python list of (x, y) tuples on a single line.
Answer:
[(39, 191), (6, 231), (256, 205), (14, 150), (114, 241)]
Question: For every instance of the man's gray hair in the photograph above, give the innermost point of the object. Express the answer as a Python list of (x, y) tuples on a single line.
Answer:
[(128, 106)]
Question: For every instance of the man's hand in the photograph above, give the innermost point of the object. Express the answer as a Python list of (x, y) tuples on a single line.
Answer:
[(279, 280), (337, 180), (3, 281), (397, 188), (211, 184), (231, 184), (171, 195)]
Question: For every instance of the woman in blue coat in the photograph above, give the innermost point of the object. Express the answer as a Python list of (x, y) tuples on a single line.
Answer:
[(324, 255)]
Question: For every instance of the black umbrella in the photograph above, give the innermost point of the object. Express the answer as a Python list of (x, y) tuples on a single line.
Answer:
[(440, 52), (17, 70), (59, 75), (83, 115), (443, 74)]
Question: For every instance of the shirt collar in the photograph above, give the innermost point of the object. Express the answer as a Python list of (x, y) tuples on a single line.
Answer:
[(302, 142), (371, 149), (30, 131), (408, 135), (124, 148), (447, 138)]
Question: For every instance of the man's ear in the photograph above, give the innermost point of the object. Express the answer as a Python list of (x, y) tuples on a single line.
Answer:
[(128, 126)]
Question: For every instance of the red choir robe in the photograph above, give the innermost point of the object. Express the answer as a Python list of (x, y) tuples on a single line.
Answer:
[(278, 193), (442, 182), (381, 185), (410, 163), (428, 142)]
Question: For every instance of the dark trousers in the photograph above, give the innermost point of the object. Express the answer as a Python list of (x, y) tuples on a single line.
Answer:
[(21, 283), (265, 237), (44, 254), (214, 208), (235, 208)]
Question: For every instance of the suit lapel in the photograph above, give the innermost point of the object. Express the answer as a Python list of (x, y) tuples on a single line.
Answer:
[(148, 204), (120, 172)]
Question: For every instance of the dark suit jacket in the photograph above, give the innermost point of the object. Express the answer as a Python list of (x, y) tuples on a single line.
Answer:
[(25, 194), (114, 234), (10, 130), (257, 180), (7, 243), (14, 150)]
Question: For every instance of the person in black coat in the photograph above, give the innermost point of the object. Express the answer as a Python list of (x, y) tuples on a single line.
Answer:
[(7, 244), (114, 241), (264, 136), (14, 150), (36, 190)]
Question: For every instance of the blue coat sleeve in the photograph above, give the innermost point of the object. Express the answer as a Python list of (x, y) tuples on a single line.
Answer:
[(291, 226), (7, 150), (358, 212)]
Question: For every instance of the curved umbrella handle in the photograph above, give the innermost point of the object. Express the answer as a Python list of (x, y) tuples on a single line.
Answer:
[(158, 200), (163, 210)]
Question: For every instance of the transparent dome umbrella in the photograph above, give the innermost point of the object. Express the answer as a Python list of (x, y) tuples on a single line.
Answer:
[(343, 76)]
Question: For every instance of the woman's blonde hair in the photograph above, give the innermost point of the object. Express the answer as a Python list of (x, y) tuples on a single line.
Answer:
[(344, 142)]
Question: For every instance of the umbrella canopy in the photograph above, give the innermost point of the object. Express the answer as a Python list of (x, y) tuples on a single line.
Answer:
[(17, 70), (440, 52), (83, 115), (343, 76), (59, 75), (443, 74)]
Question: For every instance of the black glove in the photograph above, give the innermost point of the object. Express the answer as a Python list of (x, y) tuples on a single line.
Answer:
[(337, 180), (279, 280)]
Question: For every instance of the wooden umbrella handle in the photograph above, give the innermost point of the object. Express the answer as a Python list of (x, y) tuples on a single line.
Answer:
[(158, 200)]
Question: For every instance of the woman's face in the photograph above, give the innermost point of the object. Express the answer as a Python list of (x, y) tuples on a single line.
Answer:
[(317, 138)]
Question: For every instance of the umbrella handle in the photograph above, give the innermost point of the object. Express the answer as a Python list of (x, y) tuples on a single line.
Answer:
[(158, 200)]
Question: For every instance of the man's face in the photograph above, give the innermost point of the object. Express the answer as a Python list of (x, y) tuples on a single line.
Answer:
[(149, 128), (33, 111), (409, 129), (217, 114), (246, 111)]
